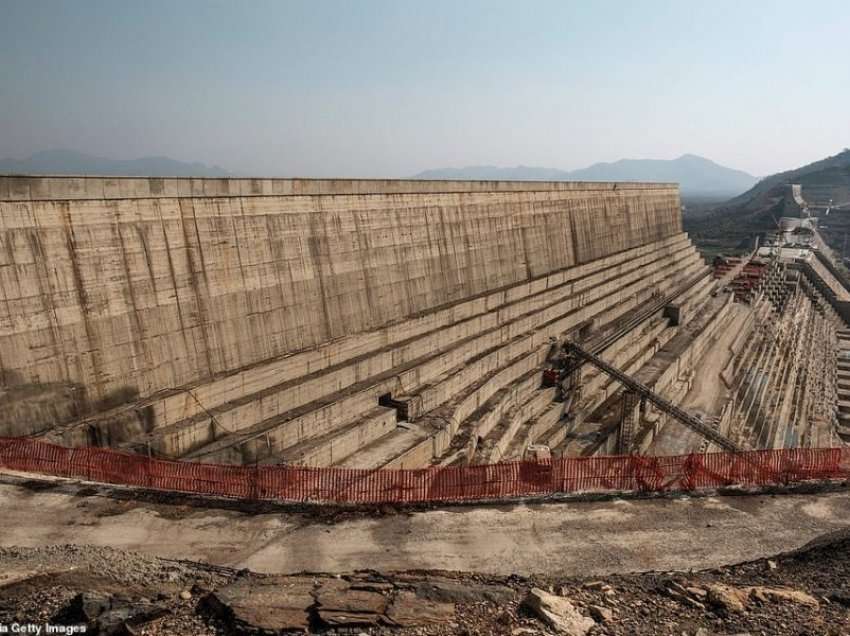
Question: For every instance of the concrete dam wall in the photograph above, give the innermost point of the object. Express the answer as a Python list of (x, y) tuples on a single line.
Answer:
[(237, 319), (156, 291)]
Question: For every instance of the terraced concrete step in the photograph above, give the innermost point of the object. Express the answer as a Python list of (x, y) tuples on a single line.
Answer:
[(631, 359), (483, 425), (531, 432), (195, 401), (662, 366), (274, 436), (513, 425), (552, 425), (649, 329), (384, 449), (579, 439), (336, 446), (843, 424), (694, 297), (632, 355), (426, 402), (532, 427), (281, 434), (506, 401), (188, 401), (554, 436), (186, 438), (441, 440), (637, 337)]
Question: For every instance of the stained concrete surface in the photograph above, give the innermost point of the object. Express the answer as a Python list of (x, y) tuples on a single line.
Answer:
[(148, 284), (707, 393), (568, 539)]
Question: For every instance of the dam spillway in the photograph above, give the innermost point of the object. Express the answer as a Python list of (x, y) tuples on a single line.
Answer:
[(368, 323)]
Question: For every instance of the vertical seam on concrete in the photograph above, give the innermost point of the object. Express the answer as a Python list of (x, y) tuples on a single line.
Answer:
[(48, 301), (203, 312), (366, 251), (331, 226), (140, 230), (245, 295), (449, 245), (315, 255), (136, 343), (276, 259), (573, 234), (82, 297), (8, 240), (429, 262), (469, 227), (174, 282), (525, 251), (402, 261), (143, 240)]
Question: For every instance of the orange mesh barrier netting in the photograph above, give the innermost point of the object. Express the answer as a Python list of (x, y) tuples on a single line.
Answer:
[(436, 484)]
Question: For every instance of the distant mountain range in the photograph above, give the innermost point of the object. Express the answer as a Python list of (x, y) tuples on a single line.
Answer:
[(71, 162), (696, 176)]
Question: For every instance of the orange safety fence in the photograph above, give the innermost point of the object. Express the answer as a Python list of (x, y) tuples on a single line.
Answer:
[(566, 475)]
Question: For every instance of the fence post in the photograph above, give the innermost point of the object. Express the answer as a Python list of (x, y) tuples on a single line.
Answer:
[(689, 472), (255, 483)]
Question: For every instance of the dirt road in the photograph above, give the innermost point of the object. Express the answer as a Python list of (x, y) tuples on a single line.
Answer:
[(570, 539)]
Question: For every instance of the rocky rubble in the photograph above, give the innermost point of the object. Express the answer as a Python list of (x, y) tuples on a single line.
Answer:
[(363, 600), (112, 592), (110, 614), (558, 613)]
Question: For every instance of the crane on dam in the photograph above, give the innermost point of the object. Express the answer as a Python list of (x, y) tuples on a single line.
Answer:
[(573, 355)]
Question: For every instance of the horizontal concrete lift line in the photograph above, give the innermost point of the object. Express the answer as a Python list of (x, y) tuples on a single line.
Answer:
[(647, 393)]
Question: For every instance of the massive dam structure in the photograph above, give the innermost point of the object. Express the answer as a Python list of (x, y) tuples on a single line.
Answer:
[(400, 323)]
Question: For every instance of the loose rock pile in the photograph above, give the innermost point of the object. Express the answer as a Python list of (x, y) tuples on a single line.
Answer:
[(112, 592)]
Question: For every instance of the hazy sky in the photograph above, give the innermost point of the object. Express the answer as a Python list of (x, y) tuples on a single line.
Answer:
[(352, 88)]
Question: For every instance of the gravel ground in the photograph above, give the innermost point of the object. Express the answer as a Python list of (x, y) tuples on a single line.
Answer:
[(126, 568), (63, 571), (646, 603)]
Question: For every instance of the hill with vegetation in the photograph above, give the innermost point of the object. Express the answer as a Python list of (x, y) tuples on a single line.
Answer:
[(731, 227)]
